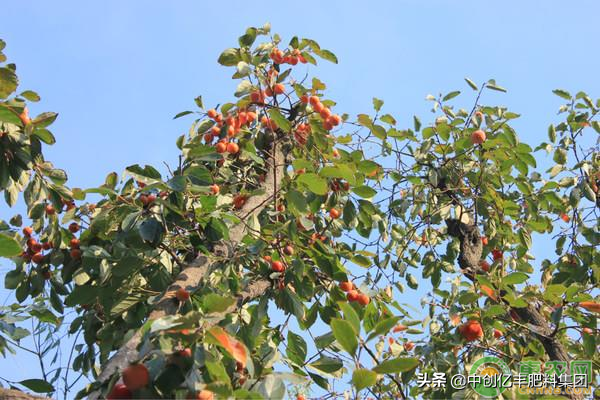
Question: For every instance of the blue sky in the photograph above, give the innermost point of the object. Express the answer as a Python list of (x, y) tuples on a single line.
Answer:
[(118, 71)]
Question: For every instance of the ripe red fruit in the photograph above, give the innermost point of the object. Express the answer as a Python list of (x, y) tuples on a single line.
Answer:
[(257, 97), (498, 333), (304, 99), (221, 147), (565, 217), (279, 88), (37, 258), (589, 331), (187, 352), (288, 250), (471, 330), (484, 265), (277, 266), (27, 231), (75, 254), (300, 397), (363, 299), (151, 198), (478, 137), (233, 148), (46, 245), (346, 286), (74, 243), (590, 306), (215, 131), (239, 201), (136, 376), (496, 254), (30, 242), (267, 258), (36, 247), (50, 209), (119, 391), (408, 346), (334, 120), (314, 100), (212, 113), (74, 227), (325, 113), (215, 189), (47, 275), (399, 328), (318, 107), (484, 240), (333, 213), (205, 395), (24, 116), (182, 295), (352, 295)]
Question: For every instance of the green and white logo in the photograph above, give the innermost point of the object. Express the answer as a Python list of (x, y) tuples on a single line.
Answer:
[(493, 372)]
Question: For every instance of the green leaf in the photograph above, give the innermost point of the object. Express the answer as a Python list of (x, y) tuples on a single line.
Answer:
[(151, 231), (229, 57), (344, 334), (515, 278), (492, 85), (377, 104), (9, 247), (280, 120), (396, 365), (361, 260), (213, 302), (364, 191), (31, 95), (8, 82), (13, 279), (383, 327), (451, 95), (362, 378), (350, 315), (562, 93), (471, 84), (314, 183), (296, 348), (37, 385), (327, 365), (248, 38), (182, 114), (326, 55), (44, 119)]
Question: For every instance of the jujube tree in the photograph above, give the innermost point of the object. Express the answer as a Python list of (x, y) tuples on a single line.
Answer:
[(282, 201)]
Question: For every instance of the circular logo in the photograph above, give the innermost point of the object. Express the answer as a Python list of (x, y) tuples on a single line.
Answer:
[(492, 371)]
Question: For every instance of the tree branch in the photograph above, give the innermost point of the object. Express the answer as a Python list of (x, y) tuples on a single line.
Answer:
[(192, 275)]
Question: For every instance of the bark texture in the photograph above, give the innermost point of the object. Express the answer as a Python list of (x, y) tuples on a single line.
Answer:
[(13, 394)]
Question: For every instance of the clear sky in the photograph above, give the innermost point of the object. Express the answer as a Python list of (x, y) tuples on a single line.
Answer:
[(117, 71)]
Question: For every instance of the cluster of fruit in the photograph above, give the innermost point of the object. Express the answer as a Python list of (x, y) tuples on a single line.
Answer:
[(137, 376), (329, 120), (292, 57), (353, 294), (35, 249)]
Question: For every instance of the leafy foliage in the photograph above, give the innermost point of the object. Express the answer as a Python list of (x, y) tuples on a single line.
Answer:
[(360, 209)]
